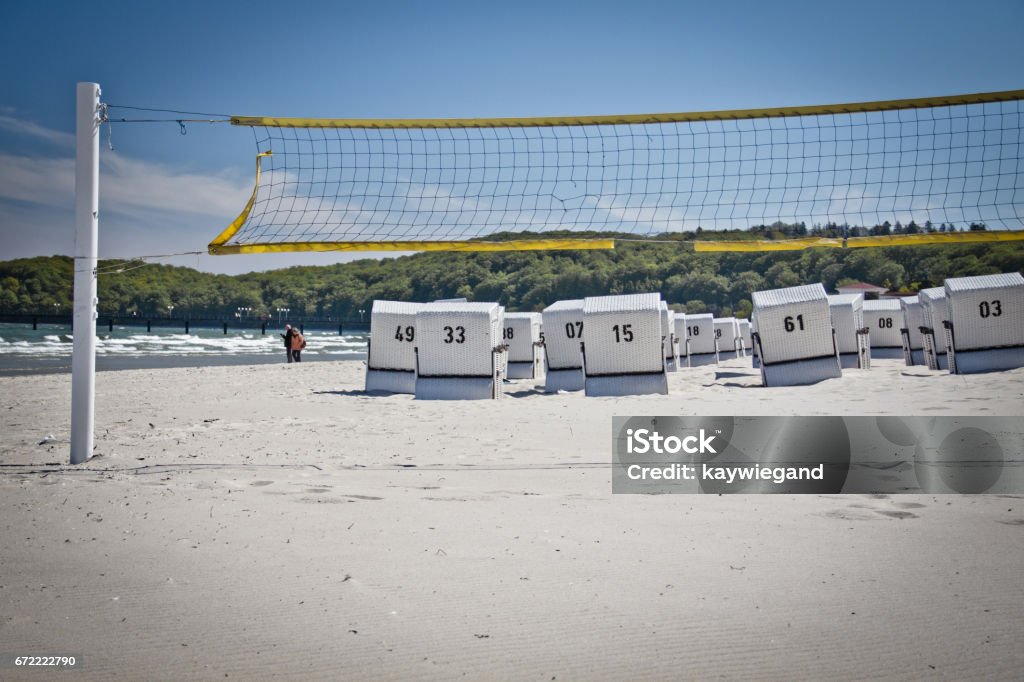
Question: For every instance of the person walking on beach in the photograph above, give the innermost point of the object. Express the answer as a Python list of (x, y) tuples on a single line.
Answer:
[(298, 343), (287, 336)]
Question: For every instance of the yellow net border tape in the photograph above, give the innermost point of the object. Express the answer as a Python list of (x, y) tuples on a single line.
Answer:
[(629, 119), (858, 242)]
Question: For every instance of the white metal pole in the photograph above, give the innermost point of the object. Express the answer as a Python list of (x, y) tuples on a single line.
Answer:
[(83, 354)]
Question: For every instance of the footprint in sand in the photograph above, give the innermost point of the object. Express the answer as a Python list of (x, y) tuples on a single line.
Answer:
[(896, 514)]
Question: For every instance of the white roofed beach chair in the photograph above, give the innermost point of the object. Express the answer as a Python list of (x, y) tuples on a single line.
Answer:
[(985, 330), (623, 353), (884, 320), (745, 338), (459, 351), (935, 312), (391, 356), (521, 334), (727, 333), (851, 337), (697, 337), (794, 336), (563, 357), (913, 339), (668, 330)]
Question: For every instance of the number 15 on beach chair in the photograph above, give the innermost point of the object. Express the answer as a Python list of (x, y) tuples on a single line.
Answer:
[(623, 353)]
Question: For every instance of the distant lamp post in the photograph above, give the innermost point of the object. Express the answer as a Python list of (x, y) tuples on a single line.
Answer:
[(170, 311), (361, 311), (282, 310), (56, 308), (242, 312)]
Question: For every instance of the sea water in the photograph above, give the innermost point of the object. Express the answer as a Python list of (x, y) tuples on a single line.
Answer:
[(48, 348)]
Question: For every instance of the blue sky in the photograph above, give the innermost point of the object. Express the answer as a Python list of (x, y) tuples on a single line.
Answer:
[(162, 192)]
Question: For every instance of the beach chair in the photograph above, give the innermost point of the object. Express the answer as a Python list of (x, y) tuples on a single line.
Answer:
[(985, 330), (699, 346), (913, 339), (727, 334), (884, 320), (755, 359), (391, 355), (794, 336), (935, 311), (562, 323), (623, 353), (668, 329), (459, 351), (744, 335), (521, 334), (847, 312)]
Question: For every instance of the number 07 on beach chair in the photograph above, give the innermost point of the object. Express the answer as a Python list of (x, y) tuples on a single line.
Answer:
[(562, 322)]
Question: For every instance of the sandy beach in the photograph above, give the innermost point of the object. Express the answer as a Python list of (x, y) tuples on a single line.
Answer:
[(274, 521)]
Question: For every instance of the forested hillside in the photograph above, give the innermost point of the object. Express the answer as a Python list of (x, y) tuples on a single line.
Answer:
[(719, 283)]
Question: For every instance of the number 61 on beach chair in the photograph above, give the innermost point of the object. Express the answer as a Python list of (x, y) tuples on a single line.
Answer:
[(794, 337)]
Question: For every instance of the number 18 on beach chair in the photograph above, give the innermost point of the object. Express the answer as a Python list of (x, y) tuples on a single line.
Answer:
[(697, 335)]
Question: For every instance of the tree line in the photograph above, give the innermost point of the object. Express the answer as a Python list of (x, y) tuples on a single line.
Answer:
[(720, 283)]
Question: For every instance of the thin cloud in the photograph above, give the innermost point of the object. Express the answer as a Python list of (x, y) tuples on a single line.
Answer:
[(20, 126), (126, 186)]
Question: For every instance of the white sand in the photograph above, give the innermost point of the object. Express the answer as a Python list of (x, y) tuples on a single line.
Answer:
[(273, 521)]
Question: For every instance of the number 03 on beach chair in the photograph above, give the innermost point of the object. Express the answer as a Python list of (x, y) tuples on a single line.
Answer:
[(459, 351), (985, 330), (794, 337)]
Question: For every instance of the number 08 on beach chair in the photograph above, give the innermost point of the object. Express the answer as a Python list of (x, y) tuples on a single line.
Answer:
[(884, 320), (794, 337), (521, 333)]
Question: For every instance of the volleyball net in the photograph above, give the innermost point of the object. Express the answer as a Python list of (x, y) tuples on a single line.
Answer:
[(910, 171)]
